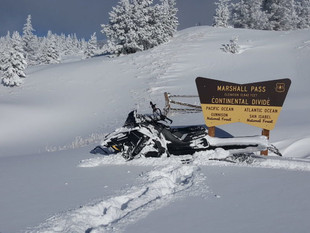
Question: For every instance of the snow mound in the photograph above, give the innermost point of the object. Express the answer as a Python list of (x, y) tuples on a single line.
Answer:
[(299, 148), (158, 188)]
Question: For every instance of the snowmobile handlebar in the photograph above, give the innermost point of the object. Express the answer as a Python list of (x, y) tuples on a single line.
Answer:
[(158, 114)]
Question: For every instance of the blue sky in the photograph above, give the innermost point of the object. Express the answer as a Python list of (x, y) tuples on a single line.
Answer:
[(84, 17)]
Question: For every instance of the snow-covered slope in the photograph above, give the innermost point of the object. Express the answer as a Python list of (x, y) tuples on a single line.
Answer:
[(60, 102), (61, 108)]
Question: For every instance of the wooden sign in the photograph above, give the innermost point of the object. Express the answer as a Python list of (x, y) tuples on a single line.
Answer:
[(258, 104)]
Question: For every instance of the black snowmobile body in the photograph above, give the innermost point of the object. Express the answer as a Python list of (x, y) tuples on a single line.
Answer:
[(150, 136)]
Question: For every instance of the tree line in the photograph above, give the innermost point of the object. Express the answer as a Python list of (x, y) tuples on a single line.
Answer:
[(278, 15), (134, 25), (137, 25)]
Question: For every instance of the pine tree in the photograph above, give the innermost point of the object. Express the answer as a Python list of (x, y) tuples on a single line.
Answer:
[(30, 42), (50, 53), (281, 14), (68, 49), (167, 18), (257, 18), (10, 77), (4, 45), (13, 62), (143, 18), (84, 44), (222, 14), (92, 46), (20, 62), (303, 13), (160, 26), (137, 25), (240, 14), (249, 14), (75, 44), (120, 31)]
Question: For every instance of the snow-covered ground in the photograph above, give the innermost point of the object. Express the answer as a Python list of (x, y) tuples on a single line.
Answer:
[(51, 183)]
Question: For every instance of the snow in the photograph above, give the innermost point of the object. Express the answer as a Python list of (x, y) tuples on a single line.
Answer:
[(239, 200), (156, 187), (50, 182)]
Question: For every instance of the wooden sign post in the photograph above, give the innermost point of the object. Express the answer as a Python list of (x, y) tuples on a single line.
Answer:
[(265, 132), (211, 131), (258, 104)]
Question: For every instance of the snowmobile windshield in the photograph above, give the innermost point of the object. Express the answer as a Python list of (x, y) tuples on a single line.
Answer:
[(134, 119), (131, 120)]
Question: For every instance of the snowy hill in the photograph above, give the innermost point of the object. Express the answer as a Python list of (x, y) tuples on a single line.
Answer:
[(66, 108)]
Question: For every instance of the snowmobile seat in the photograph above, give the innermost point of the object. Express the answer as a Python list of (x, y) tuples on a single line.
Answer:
[(186, 134)]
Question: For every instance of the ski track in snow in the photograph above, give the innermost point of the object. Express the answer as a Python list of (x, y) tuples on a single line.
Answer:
[(160, 67), (153, 69), (158, 187), (168, 180)]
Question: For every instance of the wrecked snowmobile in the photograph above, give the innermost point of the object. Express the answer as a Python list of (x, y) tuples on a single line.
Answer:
[(150, 136)]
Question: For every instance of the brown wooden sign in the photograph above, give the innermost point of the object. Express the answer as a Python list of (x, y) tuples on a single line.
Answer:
[(258, 104)]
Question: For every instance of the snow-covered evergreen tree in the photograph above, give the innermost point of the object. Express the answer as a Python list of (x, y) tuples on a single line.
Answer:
[(249, 14), (20, 61), (137, 25), (120, 29), (50, 52), (62, 45), (150, 29), (159, 26), (68, 48), (83, 44), (303, 13), (92, 46), (75, 44), (281, 14), (167, 18), (17, 42), (30, 42), (271, 14), (5, 43), (10, 77), (13, 62), (8, 38), (142, 15), (222, 13)]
